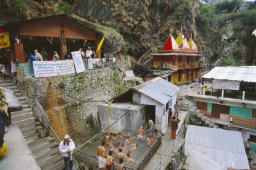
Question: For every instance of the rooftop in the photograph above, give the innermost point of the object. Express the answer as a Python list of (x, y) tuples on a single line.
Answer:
[(235, 73), (221, 146)]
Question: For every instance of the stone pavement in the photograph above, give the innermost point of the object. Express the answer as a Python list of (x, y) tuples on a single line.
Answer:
[(166, 143), (19, 156)]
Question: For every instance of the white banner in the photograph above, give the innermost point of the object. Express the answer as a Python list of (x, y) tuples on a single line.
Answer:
[(65, 67), (79, 64), (44, 68), (226, 84)]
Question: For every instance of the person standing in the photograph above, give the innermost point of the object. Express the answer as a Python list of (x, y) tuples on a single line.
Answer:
[(150, 127), (44, 54), (56, 56), (102, 163), (38, 55), (109, 161), (174, 126), (68, 55), (31, 57), (66, 148), (89, 53)]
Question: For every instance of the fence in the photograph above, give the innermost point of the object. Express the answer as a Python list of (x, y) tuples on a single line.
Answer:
[(88, 64), (148, 154)]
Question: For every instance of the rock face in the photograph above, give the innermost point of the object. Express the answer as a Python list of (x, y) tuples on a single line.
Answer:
[(73, 109)]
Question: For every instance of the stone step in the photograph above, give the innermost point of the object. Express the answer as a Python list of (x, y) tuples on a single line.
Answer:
[(32, 137), (47, 156), (18, 94), (24, 102), (21, 98), (7, 85), (29, 133), (6, 81), (58, 164), (27, 123), (25, 106), (28, 128), (12, 87), (44, 149), (16, 91), (40, 142), (52, 163), (61, 166), (20, 113), (22, 118)]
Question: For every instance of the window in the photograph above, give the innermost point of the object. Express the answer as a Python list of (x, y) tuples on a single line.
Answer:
[(180, 58), (225, 109)]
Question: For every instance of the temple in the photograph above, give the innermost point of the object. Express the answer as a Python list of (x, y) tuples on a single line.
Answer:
[(181, 56)]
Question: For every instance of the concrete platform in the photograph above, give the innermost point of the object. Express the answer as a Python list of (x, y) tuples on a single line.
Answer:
[(19, 156)]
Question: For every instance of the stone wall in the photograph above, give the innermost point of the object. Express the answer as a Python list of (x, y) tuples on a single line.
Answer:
[(72, 108)]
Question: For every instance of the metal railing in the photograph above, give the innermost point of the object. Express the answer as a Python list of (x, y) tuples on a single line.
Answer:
[(163, 161), (47, 126), (141, 164)]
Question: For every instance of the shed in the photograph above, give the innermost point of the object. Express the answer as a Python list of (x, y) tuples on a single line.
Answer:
[(219, 146), (156, 96)]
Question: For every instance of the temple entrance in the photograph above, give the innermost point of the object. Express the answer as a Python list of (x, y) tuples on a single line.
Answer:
[(150, 113)]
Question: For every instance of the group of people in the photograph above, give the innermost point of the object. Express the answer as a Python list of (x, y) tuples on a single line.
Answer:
[(44, 56), (123, 152)]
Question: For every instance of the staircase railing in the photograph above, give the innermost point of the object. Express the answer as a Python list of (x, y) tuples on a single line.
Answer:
[(47, 126)]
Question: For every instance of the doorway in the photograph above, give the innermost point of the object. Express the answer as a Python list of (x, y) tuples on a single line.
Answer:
[(150, 113), (216, 110)]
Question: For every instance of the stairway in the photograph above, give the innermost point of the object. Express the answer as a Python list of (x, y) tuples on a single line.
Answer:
[(43, 147)]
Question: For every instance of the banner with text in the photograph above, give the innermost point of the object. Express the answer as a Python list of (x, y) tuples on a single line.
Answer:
[(65, 67), (226, 84), (45, 68), (4, 40), (78, 61)]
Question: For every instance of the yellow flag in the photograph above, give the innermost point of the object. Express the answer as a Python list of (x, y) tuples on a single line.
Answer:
[(4, 40), (100, 44)]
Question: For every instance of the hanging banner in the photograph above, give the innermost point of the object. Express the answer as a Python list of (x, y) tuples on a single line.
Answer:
[(45, 68), (65, 67), (225, 84), (78, 62), (4, 40)]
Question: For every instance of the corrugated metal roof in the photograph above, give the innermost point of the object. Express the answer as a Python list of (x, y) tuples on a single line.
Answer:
[(222, 146), (241, 73), (158, 89)]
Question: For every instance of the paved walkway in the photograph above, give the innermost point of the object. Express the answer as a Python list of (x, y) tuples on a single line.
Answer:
[(18, 155), (166, 143)]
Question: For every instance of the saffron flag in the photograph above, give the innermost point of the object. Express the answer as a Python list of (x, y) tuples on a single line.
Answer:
[(100, 44), (4, 40)]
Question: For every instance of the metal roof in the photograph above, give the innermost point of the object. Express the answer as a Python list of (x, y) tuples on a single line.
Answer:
[(158, 89), (240, 73), (222, 146)]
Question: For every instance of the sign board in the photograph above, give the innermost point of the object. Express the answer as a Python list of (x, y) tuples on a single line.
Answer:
[(65, 67), (45, 68), (20, 72), (226, 84), (78, 62)]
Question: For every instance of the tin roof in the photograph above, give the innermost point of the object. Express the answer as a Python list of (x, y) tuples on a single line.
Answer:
[(158, 89), (238, 73), (222, 146)]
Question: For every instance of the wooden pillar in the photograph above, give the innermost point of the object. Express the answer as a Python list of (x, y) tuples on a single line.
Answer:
[(63, 51), (19, 52)]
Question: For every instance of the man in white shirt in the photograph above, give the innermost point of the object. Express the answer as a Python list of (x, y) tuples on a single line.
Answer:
[(66, 148), (102, 163)]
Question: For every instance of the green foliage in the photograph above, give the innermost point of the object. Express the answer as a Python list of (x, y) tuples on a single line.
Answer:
[(65, 9), (18, 3), (62, 85), (227, 6), (127, 46), (118, 89), (229, 61)]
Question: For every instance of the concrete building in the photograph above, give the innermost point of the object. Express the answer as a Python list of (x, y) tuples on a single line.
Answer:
[(150, 100), (233, 98), (182, 56)]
